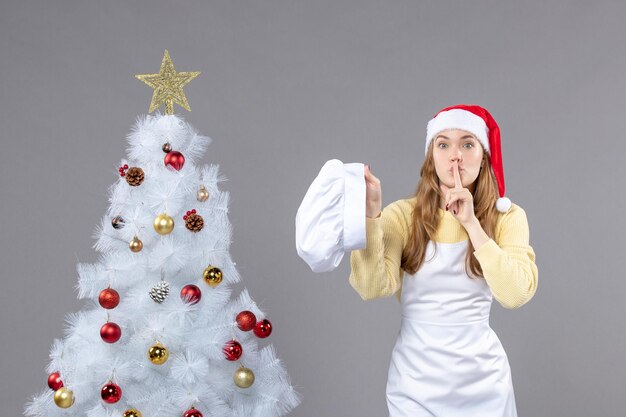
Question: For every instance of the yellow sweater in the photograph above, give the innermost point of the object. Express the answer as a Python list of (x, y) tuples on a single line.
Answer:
[(508, 263)]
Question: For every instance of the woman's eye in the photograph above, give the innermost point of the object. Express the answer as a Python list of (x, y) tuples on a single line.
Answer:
[(444, 145)]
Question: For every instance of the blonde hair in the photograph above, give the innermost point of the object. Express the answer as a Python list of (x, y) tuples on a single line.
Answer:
[(426, 220)]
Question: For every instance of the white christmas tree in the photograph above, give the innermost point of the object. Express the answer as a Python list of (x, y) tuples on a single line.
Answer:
[(160, 334)]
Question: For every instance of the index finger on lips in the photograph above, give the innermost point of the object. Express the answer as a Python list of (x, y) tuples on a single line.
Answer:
[(457, 176)]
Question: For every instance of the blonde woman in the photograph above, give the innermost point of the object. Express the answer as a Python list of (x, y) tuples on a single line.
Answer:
[(446, 253)]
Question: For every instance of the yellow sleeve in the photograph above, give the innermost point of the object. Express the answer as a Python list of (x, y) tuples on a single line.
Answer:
[(375, 270), (509, 265)]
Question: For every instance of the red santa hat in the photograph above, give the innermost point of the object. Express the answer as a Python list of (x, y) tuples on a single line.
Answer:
[(479, 122)]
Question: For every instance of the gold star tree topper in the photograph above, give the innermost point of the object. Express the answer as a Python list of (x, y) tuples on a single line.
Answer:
[(168, 86)]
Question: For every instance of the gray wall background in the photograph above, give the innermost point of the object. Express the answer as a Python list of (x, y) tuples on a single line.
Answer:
[(285, 86)]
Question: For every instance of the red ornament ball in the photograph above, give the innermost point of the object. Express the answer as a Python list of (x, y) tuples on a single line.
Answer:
[(190, 294), (246, 320), (54, 381), (109, 298), (111, 393), (192, 412), (232, 350), (110, 332), (263, 328), (175, 159)]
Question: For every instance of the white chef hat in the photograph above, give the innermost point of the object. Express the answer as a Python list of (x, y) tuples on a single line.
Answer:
[(331, 217)]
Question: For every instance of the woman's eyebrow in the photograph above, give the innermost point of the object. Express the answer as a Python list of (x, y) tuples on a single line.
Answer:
[(464, 137)]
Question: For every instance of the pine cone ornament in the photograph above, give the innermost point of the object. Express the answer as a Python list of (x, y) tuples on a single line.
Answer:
[(134, 176), (159, 292), (193, 221)]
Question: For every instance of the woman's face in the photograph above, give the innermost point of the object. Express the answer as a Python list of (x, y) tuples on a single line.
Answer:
[(455, 145)]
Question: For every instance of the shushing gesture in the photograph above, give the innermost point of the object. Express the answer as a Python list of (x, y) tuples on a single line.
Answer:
[(459, 201)]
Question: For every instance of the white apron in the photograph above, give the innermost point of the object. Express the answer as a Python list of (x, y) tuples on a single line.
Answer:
[(447, 361)]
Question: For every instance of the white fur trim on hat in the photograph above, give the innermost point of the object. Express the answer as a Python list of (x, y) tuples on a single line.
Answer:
[(458, 119)]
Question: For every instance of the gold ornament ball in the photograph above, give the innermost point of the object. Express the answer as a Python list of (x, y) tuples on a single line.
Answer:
[(131, 412), (136, 245), (244, 377), (163, 224), (63, 397), (158, 354), (212, 275), (203, 194)]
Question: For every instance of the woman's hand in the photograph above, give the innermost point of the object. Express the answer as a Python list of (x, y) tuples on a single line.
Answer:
[(459, 201), (373, 194)]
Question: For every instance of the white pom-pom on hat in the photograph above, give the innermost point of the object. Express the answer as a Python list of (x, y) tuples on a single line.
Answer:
[(503, 204), (478, 121)]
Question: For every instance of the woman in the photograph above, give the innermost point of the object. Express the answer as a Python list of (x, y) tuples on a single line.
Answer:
[(446, 253)]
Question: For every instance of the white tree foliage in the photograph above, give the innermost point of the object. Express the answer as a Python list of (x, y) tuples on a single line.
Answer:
[(196, 373)]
